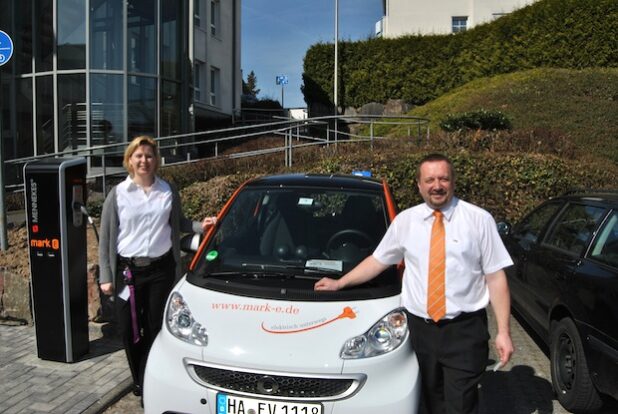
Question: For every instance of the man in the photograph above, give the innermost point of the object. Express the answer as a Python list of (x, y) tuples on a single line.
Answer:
[(454, 261)]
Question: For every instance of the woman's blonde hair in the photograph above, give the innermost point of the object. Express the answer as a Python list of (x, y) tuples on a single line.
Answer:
[(133, 145)]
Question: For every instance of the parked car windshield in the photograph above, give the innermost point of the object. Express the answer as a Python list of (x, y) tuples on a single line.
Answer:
[(269, 235)]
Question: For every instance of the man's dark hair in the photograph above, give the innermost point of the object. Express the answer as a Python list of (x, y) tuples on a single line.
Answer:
[(433, 157)]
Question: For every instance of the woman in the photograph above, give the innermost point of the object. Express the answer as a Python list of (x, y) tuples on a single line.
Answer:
[(139, 250)]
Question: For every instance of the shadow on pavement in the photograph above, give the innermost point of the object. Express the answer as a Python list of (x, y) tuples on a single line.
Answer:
[(517, 391)]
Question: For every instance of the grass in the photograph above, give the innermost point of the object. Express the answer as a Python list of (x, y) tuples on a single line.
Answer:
[(579, 105)]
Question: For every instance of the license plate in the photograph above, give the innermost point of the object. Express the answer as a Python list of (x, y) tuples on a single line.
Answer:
[(231, 404)]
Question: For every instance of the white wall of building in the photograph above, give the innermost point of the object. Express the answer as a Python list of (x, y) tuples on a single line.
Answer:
[(425, 17), (218, 57)]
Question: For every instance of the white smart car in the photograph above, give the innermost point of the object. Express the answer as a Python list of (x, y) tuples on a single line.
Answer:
[(244, 331)]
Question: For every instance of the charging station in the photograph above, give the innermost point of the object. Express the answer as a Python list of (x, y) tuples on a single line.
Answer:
[(55, 190)]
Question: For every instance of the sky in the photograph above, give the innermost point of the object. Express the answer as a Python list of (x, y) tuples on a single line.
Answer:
[(277, 33)]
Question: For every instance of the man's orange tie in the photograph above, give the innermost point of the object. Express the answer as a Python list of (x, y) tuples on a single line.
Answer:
[(436, 301)]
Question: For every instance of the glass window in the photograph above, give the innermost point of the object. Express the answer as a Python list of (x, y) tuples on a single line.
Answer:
[(214, 86), (44, 115), (44, 35), (142, 36), (215, 11), (170, 108), (24, 133), (71, 34), (20, 20), (605, 248), (142, 110), (171, 38), (574, 227), (72, 112), (459, 23), (197, 20), (197, 82), (106, 109), (106, 34), (530, 228)]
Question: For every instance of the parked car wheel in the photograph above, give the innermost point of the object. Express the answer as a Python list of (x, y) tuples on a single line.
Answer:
[(569, 370)]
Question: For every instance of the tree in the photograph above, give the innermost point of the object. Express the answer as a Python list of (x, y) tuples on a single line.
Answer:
[(250, 87)]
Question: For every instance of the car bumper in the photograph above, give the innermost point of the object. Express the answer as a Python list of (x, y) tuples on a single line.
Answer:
[(392, 382)]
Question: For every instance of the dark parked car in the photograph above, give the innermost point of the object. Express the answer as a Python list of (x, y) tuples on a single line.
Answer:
[(565, 285)]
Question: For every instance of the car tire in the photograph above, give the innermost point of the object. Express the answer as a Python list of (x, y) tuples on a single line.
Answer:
[(569, 369)]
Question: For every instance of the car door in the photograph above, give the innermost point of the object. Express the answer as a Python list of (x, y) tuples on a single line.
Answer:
[(524, 238), (597, 287), (552, 266)]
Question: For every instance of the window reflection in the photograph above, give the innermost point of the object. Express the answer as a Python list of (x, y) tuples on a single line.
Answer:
[(171, 37), (141, 33), (71, 34), (106, 34), (44, 35), (142, 106), (71, 112), (44, 115), (106, 109), (170, 109)]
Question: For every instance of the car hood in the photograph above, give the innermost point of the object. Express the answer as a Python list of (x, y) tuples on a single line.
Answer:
[(277, 335)]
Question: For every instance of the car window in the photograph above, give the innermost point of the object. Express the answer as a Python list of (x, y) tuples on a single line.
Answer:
[(267, 227), (530, 227), (574, 227), (605, 248)]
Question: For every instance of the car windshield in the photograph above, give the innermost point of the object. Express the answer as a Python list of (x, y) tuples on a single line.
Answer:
[(293, 236)]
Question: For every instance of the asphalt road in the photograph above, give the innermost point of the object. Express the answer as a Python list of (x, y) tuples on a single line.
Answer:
[(522, 387)]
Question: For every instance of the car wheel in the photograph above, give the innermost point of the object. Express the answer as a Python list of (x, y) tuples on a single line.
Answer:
[(569, 370)]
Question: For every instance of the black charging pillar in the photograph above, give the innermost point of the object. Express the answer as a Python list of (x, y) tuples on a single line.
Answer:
[(55, 189)]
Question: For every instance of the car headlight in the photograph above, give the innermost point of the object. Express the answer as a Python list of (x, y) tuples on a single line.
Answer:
[(383, 337), (181, 324)]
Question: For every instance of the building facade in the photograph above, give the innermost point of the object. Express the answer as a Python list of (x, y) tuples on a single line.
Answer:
[(425, 17), (96, 72)]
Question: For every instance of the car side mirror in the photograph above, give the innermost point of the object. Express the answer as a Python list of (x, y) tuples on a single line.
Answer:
[(504, 228), (190, 243)]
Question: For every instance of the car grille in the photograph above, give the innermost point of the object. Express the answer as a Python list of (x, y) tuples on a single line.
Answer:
[(272, 385)]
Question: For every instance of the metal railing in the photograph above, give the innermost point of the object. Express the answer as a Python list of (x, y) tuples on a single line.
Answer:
[(104, 161)]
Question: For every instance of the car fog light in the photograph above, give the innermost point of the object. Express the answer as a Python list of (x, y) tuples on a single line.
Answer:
[(181, 324), (383, 337)]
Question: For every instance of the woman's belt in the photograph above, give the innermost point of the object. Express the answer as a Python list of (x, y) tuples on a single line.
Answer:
[(144, 261)]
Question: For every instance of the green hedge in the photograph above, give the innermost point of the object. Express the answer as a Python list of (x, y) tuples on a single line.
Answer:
[(550, 33), (506, 184)]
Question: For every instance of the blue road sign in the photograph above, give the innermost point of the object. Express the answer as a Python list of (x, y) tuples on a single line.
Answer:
[(6, 48), (281, 79)]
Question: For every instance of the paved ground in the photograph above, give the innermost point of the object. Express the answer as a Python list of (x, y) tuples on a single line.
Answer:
[(100, 383), (32, 385)]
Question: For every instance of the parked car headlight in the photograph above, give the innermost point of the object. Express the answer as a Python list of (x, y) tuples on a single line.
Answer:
[(386, 335), (181, 324)]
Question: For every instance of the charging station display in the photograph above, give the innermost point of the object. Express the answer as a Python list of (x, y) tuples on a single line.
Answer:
[(55, 190)]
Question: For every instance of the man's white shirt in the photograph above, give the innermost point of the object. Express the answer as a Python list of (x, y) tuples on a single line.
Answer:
[(473, 250)]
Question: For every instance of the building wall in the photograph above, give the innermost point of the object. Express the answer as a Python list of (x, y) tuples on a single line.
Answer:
[(97, 72), (425, 17), (218, 54)]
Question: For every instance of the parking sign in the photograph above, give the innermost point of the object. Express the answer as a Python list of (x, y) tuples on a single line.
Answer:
[(6, 48), (281, 80)]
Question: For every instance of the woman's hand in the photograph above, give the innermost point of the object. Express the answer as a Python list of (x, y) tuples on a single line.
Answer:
[(208, 222), (107, 288)]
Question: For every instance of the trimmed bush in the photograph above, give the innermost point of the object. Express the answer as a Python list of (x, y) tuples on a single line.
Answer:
[(481, 119)]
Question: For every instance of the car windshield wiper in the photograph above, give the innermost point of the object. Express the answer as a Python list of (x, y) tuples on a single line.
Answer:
[(270, 267)]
